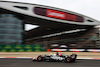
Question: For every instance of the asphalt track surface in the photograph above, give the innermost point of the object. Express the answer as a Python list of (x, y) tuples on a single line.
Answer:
[(29, 63)]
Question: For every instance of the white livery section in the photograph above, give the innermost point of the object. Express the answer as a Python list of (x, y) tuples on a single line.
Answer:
[(48, 13), (57, 58)]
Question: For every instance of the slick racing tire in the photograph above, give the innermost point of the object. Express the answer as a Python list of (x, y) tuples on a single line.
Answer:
[(68, 59), (40, 58), (73, 56)]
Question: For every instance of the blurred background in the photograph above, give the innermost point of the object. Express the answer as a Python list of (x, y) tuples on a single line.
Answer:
[(17, 34)]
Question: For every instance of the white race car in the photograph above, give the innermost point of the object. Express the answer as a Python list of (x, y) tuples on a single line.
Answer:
[(56, 57)]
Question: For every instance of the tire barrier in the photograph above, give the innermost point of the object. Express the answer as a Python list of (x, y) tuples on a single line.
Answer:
[(74, 50), (59, 50), (77, 50), (21, 48), (93, 50)]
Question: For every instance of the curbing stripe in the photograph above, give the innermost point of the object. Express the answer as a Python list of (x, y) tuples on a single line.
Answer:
[(24, 57), (84, 58), (2, 57), (10, 57), (89, 58), (96, 58)]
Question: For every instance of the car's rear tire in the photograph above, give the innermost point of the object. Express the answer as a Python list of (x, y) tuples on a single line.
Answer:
[(73, 56), (68, 59), (40, 58)]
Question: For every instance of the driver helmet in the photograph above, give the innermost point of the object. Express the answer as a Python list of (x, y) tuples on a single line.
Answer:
[(57, 54)]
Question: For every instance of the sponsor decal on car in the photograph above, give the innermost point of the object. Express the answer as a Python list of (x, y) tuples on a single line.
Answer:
[(57, 58)]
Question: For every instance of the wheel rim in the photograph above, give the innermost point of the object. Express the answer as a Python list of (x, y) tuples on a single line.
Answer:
[(68, 59), (39, 58)]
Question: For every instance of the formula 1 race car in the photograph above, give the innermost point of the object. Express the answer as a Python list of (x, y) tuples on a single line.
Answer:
[(58, 57)]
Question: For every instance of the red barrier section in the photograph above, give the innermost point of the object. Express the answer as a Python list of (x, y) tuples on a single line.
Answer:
[(48, 50)]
